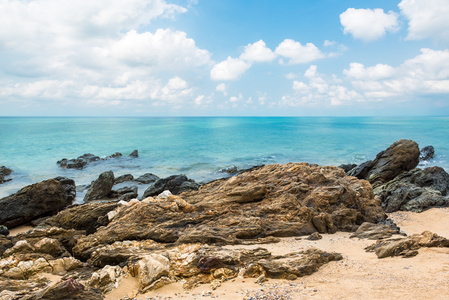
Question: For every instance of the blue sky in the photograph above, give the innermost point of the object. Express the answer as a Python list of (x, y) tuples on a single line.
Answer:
[(224, 57)]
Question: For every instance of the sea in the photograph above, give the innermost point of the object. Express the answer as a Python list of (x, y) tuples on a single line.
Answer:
[(201, 147)]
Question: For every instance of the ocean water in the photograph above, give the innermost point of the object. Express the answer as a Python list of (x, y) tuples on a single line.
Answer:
[(201, 146)]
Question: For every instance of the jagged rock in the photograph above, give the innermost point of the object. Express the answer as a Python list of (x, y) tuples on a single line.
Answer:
[(107, 278), (407, 246), (401, 156), (5, 244), (78, 163), (287, 200), (70, 289), (115, 155), (35, 201), (135, 153), (175, 184), (4, 230), (415, 190), (347, 167), (147, 178), (123, 178), (314, 236), (151, 268), (427, 153), (125, 193), (4, 171), (87, 216), (101, 187), (49, 246), (374, 231), (69, 187)]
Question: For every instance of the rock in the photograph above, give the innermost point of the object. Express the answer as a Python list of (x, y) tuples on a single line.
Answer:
[(123, 178), (374, 231), (4, 230), (401, 156), (314, 236), (427, 153), (125, 190), (69, 187), (101, 187), (407, 246), (78, 163), (4, 171), (230, 170), (115, 155), (107, 278), (415, 190), (147, 178), (150, 268), (347, 167), (288, 200), (35, 201), (175, 184), (87, 216), (49, 246), (135, 153), (70, 289)]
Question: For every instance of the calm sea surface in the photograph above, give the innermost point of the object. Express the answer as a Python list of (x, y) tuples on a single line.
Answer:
[(200, 147)]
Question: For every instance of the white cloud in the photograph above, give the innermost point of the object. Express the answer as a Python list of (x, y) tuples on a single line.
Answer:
[(235, 99), (311, 71), (427, 18), (368, 24), (257, 52), (230, 69), (297, 53), (291, 75), (221, 88), (379, 71)]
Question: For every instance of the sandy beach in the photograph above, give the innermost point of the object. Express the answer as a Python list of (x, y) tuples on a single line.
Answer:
[(360, 275)]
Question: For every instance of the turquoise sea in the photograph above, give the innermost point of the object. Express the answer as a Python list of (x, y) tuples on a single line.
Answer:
[(201, 146)]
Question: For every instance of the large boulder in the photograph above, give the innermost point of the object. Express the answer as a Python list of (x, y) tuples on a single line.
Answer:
[(401, 156), (101, 187), (415, 190), (176, 184), (274, 200), (38, 200)]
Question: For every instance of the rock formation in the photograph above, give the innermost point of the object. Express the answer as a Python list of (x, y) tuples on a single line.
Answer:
[(101, 187), (35, 201)]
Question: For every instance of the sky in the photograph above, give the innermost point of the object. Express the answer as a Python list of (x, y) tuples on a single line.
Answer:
[(224, 58)]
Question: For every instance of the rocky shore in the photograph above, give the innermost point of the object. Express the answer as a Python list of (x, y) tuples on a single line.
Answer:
[(217, 234)]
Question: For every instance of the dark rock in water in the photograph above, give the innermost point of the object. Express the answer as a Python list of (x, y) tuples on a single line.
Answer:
[(4, 230), (101, 187), (123, 178), (4, 171), (415, 190), (427, 153), (115, 155), (347, 167), (87, 216), (147, 178), (230, 170), (135, 153), (35, 201), (78, 163), (176, 184), (69, 187)]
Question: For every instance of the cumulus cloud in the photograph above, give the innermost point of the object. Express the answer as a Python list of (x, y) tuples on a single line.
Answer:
[(257, 52), (230, 69), (297, 53), (379, 71), (368, 24), (99, 53), (427, 18), (221, 88)]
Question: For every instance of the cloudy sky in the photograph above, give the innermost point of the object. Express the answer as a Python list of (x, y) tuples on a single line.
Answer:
[(224, 57)]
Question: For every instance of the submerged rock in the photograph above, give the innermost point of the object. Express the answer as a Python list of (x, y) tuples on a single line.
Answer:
[(78, 163), (4, 171), (415, 190), (38, 200), (101, 187), (147, 178), (135, 153)]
